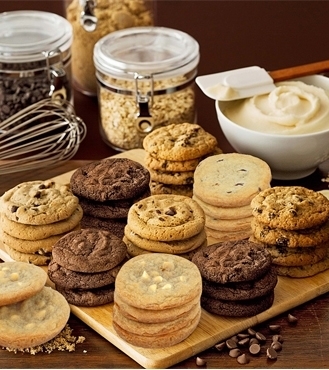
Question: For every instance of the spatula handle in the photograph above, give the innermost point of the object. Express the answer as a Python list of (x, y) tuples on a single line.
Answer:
[(300, 71)]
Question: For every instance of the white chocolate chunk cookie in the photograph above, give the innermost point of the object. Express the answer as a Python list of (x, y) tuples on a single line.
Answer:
[(38, 202), (166, 217), (33, 321), (158, 281), (19, 281)]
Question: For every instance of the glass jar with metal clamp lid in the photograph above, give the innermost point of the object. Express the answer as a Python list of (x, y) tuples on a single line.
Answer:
[(145, 80), (35, 58), (93, 19)]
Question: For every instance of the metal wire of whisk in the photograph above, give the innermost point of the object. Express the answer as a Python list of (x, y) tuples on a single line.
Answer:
[(40, 135)]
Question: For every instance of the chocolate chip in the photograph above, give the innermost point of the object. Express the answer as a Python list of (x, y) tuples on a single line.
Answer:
[(220, 346), (254, 348), (277, 338), (253, 341), (251, 332), (271, 353), (200, 361), (261, 337), (235, 352), (243, 359), (292, 319), (275, 328), (171, 211), (244, 342), (277, 346), (13, 209), (230, 343)]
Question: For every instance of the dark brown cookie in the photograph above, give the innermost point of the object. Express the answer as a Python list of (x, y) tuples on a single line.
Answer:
[(250, 307), (88, 298), (70, 279), (110, 179), (111, 208), (113, 225), (232, 261), (243, 290), (89, 250)]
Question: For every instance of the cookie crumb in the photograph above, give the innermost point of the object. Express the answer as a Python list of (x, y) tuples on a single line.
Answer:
[(64, 341)]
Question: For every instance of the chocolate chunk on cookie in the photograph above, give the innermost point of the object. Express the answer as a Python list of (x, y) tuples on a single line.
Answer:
[(232, 261), (89, 250), (110, 179)]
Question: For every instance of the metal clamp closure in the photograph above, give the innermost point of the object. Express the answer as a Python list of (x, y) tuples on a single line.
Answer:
[(59, 84), (88, 20), (144, 119)]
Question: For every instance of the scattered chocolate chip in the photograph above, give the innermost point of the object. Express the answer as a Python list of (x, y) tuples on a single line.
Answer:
[(271, 353), (243, 335), (220, 346), (275, 328), (261, 337), (242, 359), (235, 352), (277, 346), (230, 343), (277, 338), (253, 341), (200, 361), (251, 332), (254, 348), (244, 342), (292, 319)]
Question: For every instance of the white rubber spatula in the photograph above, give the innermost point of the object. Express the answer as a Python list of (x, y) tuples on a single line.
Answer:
[(246, 82)]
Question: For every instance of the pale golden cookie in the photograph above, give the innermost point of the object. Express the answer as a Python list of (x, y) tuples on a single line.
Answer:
[(34, 258), (158, 281), (184, 141), (33, 321), (230, 180), (227, 235), (154, 163), (32, 232), (19, 281), (240, 224), (158, 188), (172, 178), (38, 202), (166, 217)]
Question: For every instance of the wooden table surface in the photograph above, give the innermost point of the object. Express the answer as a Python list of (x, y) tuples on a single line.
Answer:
[(227, 41)]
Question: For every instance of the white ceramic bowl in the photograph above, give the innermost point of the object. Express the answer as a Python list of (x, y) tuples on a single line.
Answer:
[(289, 156)]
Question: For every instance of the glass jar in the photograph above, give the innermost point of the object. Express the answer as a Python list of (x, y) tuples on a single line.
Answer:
[(146, 79), (93, 19), (35, 59)]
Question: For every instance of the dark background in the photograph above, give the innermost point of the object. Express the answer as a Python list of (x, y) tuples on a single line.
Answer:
[(231, 34)]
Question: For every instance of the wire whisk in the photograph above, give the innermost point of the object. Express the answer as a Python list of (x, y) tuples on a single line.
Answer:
[(40, 135)]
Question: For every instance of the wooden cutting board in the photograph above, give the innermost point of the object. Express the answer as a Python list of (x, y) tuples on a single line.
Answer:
[(212, 329)]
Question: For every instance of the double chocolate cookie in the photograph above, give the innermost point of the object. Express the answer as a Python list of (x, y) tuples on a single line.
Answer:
[(238, 278), (85, 264)]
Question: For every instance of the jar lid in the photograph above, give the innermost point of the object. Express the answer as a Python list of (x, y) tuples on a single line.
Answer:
[(146, 50), (26, 34)]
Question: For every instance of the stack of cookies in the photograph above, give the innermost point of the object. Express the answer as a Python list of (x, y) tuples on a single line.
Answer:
[(30, 313), (84, 266), (292, 222), (157, 300), (165, 223), (106, 189), (172, 154), (238, 278), (33, 216), (224, 185)]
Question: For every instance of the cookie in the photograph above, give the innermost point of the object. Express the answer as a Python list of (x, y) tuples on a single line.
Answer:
[(309, 237), (89, 250), (224, 213), (173, 247), (158, 188), (227, 235), (154, 316), (70, 279), (158, 341), (242, 290), (114, 225), (88, 297), (230, 180), (153, 163), (33, 321), (166, 217), (250, 307), (232, 261), (185, 141), (290, 207), (110, 179), (306, 270), (158, 281), (240, 224), (38, 202), (34, 258), (32, 232), (20, 281), (111, 208), (172, 178)]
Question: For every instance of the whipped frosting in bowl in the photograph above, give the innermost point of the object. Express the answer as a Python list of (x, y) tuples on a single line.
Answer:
[(288, 128)]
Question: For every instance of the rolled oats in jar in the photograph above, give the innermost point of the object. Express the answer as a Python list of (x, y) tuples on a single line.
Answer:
[(93, 19), (35, 59), (146, 79)]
